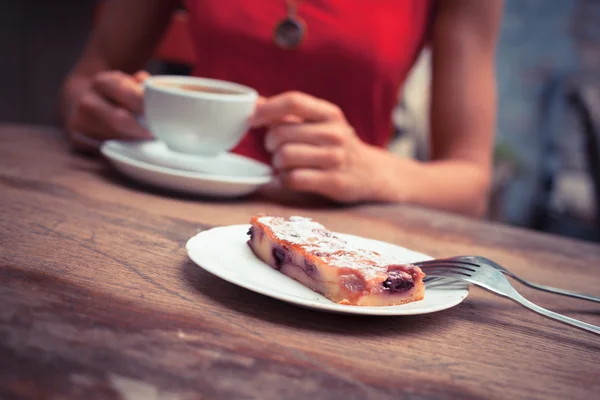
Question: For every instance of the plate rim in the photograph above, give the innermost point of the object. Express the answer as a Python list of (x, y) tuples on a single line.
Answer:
[(113, 154), (312, 304)]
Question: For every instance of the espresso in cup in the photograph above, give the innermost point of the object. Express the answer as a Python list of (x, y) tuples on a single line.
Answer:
[(201, 88), (197, 115)]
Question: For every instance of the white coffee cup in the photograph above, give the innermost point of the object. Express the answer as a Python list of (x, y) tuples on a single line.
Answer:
[(197, 115)]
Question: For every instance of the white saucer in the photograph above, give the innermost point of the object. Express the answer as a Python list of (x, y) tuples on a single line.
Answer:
[(225, 175), (223, 251)]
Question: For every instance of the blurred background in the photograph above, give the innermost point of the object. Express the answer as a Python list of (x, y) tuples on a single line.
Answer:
[(547, 155)]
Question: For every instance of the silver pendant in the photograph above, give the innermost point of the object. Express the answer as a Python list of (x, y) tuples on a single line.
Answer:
[(289, 33)]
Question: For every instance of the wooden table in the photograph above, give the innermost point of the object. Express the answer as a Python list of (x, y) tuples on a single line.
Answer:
[(99, 300)]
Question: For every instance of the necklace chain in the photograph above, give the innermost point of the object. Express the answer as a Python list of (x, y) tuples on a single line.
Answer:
[(292, 7)]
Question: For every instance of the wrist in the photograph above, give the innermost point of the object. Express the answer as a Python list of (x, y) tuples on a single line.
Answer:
[(71, 90), (390, 175)]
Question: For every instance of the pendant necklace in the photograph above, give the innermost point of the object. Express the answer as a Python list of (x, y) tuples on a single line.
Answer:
[(290, 31)]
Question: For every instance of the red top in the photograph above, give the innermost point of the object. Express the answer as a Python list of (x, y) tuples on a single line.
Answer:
[(355, 54)]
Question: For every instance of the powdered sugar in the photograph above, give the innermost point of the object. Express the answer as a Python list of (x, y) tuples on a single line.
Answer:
[(297, 230), (335, 251)]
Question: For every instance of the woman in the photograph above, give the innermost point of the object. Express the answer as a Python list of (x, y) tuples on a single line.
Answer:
[(329, 73)]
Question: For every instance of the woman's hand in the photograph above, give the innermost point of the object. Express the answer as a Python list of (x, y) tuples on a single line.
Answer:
[(106, 108), (315, 150)]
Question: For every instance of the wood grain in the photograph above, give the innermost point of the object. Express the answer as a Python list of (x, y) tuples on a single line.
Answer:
[(99, 300)]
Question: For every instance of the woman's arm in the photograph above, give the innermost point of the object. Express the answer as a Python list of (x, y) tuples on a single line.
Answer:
[(320, 152), (100, 94), (463, 110)]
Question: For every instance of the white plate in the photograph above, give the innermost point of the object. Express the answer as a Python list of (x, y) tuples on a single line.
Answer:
[(225, 175), (223, 252)]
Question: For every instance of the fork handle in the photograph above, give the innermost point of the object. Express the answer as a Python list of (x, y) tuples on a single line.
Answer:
[(555, 316), (543, 288), (556, 290)]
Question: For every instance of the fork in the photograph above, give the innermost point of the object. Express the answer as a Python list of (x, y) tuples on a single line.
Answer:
[(478, 271), (469, 260)]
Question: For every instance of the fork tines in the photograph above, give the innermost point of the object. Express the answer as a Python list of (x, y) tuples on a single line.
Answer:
[(446, 268)]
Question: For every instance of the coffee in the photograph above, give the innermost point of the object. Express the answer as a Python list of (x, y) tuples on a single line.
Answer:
[(200, 88)]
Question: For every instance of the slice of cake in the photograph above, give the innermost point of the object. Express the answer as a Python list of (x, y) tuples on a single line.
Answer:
[(307, 252)]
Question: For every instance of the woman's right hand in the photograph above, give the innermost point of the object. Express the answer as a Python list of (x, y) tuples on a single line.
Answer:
[(106, 108)]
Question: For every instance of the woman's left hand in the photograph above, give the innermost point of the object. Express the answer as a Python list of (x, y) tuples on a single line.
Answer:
[(316, 150)]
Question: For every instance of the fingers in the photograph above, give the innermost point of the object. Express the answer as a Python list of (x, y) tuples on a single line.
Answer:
[(301, 105), (298, 155), (318, 181), (260, 101), (287, 119), (98, 119), (122, 89), (320, 134), (141, 76)]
